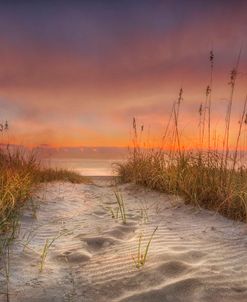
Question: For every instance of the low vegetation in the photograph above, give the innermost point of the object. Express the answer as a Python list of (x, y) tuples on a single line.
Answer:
[(44, 253), (20, 174), (211, 176), (119, 210), (121, 205), (142, 254), (201, 181), (49, 175)]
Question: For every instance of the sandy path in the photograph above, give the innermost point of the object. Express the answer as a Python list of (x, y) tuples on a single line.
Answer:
[(195, 255)]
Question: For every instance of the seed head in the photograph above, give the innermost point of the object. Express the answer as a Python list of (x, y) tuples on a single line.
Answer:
[(6, 125), (233, 76), (180, 96), (245, 120), (208, 90), (200, 110), (211, 58)]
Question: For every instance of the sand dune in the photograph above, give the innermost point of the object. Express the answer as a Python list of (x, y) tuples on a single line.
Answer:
[(195, 255)]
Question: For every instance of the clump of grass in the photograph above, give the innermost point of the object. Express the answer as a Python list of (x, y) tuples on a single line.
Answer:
[(141, 258), (121, 205), (47, 246), (20, 174), (49, 175), (199, 178), (208, 177), (16, 184)]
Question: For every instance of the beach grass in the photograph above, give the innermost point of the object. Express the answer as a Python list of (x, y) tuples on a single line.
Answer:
[(199, 179), (121, 205), (141, 257), (45, 249), (20, 174), (209, 176), (50, 174)]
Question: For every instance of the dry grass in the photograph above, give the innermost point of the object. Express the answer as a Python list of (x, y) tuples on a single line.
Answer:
[(201, 181), (49, 175), (206, 177), (20, 173)]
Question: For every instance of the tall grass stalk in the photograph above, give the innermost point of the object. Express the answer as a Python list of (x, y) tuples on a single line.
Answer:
[(176, 111), (232, 83), (241, 123), (211, 59), (7, 274)]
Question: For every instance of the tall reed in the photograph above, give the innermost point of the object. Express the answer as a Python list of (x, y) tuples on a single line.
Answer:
[(232, 83)]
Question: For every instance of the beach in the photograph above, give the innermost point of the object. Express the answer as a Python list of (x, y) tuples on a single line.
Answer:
[(194, 255)]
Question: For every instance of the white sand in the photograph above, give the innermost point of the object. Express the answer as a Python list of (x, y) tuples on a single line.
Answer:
[(195, 255)]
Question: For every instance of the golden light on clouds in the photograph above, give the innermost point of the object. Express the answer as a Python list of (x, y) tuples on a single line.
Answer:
[(78, 77)]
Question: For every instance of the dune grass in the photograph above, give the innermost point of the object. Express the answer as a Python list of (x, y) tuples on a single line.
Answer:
[(119, 211), (46, 247), (121, 205), (141, 258), (208, 176), (49, 175), (20, 175), (199, 179)]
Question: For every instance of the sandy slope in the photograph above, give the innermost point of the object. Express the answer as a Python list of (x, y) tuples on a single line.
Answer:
[(195, 255)]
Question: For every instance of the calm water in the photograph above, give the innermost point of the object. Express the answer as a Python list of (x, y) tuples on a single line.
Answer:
[(87, 167)]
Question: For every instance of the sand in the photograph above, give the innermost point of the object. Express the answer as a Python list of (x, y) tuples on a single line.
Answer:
[(195, 255)]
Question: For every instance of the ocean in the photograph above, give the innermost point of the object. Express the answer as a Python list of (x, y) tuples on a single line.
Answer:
[(85, 166)]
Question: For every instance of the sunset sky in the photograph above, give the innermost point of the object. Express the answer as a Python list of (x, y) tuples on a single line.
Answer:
[(74, 73)]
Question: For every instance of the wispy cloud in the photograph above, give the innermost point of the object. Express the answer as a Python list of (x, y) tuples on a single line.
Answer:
[(75, 73)]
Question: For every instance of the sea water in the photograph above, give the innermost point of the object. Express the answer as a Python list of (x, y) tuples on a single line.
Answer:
[(86, 167)]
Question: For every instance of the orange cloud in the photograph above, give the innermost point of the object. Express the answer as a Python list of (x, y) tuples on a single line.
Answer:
[(83, 85)]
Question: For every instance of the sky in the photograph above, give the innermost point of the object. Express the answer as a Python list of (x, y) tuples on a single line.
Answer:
[(75, 73)]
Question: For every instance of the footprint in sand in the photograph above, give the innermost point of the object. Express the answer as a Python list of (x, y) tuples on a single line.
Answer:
[(75, 256), (123, 232), (97, 243)]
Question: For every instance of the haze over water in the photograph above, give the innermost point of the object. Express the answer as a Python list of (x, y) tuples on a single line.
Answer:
[(85, 166)]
